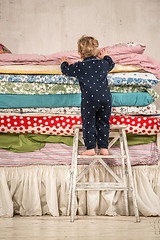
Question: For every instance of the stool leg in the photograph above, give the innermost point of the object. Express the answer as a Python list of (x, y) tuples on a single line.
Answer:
[(74, 173), (75, 148), (70, 192), (69, 195), (136, 212), (124, 174)]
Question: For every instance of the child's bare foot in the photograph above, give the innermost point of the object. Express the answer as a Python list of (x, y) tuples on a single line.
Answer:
[(90, 152), (104, 151)]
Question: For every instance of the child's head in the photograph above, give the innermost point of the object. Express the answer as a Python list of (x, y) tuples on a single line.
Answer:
[(88, 47)]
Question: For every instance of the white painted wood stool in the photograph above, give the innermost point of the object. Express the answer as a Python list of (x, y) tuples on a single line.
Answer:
[(116, 132)]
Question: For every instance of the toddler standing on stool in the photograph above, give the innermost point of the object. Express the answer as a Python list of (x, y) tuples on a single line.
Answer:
[(95, 93)]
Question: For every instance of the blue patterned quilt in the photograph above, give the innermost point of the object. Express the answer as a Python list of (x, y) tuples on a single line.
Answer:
[(138, 79)]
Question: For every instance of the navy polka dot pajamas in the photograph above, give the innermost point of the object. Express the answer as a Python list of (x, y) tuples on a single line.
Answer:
[(95, 98)]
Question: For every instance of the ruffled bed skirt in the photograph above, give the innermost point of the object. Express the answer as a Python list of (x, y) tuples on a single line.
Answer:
[(39, 190)]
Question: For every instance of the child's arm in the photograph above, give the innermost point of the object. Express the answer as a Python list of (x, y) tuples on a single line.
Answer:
[(105, 55), (69, 69), (110, 62)]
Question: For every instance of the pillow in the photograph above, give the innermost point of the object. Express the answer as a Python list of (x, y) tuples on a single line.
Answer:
[(3, 49)]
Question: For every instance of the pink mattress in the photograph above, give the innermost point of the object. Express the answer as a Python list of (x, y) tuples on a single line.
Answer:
[(61, 154)]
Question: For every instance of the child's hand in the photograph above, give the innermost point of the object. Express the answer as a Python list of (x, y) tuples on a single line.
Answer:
[(103, 53), (65, 60)]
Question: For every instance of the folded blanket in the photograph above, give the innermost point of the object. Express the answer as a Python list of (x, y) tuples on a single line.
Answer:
[(140, 60), (70, 100), (124, 54), (54, 59), (35, 59)]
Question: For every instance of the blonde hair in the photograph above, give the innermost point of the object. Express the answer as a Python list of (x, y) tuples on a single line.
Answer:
[(88, 46)]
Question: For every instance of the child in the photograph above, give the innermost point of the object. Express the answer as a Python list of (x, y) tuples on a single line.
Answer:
[(95, 94)]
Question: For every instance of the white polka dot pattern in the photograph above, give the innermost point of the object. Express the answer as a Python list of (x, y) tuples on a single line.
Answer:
[(62, 125)]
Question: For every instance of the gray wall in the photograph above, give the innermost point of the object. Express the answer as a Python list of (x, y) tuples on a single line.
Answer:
[(48, 26)]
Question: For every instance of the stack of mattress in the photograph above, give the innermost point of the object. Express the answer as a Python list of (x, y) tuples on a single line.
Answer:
[(39, 106), (35, 97)]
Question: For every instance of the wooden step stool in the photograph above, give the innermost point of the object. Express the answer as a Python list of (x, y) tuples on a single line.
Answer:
[(116, 132)]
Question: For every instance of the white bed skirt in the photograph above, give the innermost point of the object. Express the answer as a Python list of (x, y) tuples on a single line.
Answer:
[(41, 189)]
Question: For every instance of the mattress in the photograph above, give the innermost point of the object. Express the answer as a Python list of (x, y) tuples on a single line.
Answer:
[(63, 125), (61, 154)]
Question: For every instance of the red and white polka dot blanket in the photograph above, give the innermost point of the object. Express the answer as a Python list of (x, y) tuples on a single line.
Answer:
[(62, 125)]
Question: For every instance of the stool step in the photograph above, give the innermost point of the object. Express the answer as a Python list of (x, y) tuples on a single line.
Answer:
[(101, 186), (101, 156)]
